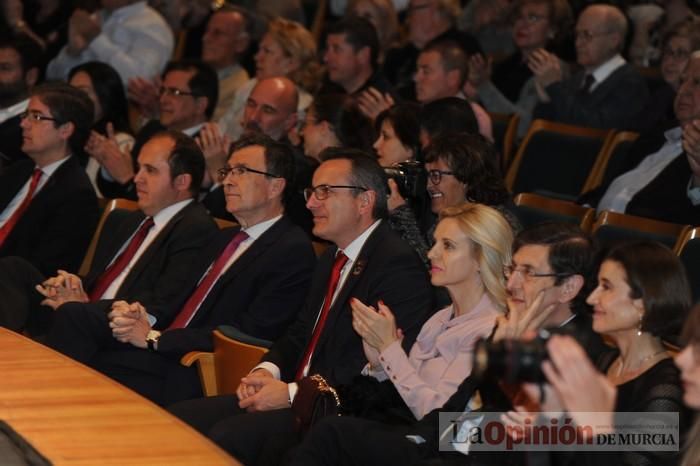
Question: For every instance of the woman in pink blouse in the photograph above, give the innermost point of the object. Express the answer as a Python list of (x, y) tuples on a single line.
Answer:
[(472, 244)]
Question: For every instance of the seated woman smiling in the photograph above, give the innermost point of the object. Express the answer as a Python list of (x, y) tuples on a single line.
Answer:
[(472, 245)]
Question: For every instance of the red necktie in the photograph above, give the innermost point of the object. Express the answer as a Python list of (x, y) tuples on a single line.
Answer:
[(14, 218), (340, 261), (197, 298), (119, 264)]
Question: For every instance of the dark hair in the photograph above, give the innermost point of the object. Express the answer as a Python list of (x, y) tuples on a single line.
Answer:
[(448, 115), (359, 33), (655, 275), (203, 83), (365, 172), (571, 252), (279, 158), (452, 57), (110, 93), (403, 118), (253, 25), (473, 161), (30, 53), (351, 127), (185, 158), (68, 105)]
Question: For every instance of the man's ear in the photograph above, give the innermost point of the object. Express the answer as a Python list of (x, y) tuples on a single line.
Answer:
[(66, 130), (182, 182), (31, 77), (571, 287), (367, 201), (277, 186), (453, 80), (202, 103), (291, 121), (364, 55)]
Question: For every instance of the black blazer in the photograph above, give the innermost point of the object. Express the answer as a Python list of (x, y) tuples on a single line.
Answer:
[(387, 269), (161, 273), (614, 103), (260, 294), (55, 230)]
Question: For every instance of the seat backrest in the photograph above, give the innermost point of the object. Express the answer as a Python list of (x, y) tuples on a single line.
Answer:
[(112, 215), (505, 127), (555, 158), (611, 228), (611, 161), (233, 359), (532, 209), (688, 250)]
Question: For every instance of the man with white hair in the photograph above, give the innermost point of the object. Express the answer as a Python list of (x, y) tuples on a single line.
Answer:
[(608, 92)]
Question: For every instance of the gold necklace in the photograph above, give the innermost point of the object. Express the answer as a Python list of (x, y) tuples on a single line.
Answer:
[(641, 362)]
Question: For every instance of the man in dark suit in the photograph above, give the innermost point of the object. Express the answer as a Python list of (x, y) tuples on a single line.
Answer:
[(19, 72), (48, 209), (548, 282), (608, 92), (254, 277), (660, 176), (145, 258), (188, 97), (368, 262)]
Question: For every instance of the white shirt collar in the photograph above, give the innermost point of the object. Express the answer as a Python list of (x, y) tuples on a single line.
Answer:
[(192, 130), (674, 134), (354, 248), (165, 215), (13, 110), (258, 229), (49, 169), (602, 72)]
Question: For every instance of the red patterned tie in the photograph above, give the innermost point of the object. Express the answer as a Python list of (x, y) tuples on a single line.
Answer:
[(14, 218), (119, 264), (340, 261), (197, 298)]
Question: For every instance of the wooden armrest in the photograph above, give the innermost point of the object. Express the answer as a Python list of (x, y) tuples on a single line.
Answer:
[(205, 366)]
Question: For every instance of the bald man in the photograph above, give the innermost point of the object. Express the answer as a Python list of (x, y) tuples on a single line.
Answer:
[(271, 108), (608, 92)]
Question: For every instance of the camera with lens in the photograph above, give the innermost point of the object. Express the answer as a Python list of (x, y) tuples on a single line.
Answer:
[(511, 361), (410, 177)]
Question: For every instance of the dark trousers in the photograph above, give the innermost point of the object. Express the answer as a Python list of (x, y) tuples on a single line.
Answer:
[(82, 332), (248, 437), (20, 303)]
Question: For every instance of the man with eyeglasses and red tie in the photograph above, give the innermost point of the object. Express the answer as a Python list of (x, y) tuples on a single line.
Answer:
[(142, 255), (188, 97), (253, 277), (608, 92), (367, 261), (48, 211)]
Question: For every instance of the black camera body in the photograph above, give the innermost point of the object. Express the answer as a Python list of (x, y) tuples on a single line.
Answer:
[(512, 361), (410, 177)]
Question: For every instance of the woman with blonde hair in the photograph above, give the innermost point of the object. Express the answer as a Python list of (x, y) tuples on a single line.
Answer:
[(287, 49), (472, 245)]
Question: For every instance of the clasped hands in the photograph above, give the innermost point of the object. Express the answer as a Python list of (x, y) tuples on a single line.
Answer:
[(106, 150), (129, 323), (260, 391), (63, 288), (83, 27)]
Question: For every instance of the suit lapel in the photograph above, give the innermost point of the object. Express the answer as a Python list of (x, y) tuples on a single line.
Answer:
[(13, 179), (357, 271)]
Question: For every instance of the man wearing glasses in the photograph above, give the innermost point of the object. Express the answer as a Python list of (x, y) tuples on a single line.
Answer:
[(47, 211), (367, 261), (188, 97), (253, 277), (608, 92)]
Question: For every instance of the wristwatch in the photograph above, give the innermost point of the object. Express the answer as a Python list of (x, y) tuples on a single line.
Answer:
[(152, 340)]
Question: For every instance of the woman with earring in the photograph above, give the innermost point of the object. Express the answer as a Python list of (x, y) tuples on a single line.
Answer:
[(641, 299)]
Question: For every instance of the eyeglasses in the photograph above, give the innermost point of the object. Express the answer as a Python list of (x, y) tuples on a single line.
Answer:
[(678, 54), (530, 18), (35, 117), (435, 176), (587, 36), (322, 191), (527, 273), (173, 91), (241, 170)]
